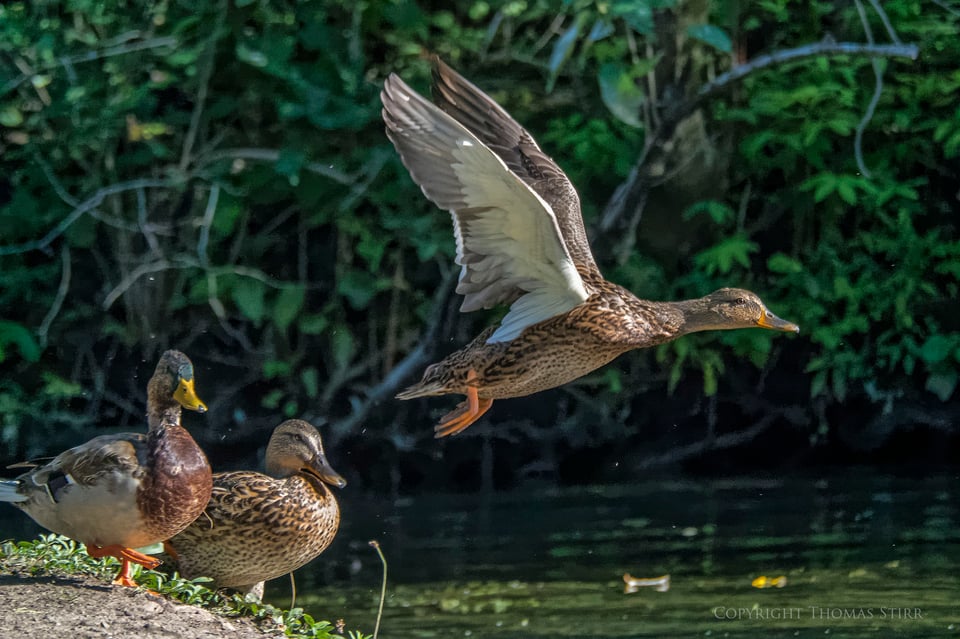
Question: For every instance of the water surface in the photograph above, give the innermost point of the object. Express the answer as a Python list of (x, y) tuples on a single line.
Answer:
[(863, 556)]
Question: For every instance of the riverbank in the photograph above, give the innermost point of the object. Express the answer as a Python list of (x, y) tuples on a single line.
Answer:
[(50, 587)]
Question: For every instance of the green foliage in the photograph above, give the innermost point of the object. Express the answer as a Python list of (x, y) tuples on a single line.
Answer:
[(61, 555), (216, 175)]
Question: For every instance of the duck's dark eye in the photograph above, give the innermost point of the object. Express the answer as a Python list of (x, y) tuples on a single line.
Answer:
[(740, 301)]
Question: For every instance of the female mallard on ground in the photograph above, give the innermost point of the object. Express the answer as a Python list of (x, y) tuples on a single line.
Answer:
[(259, 527), (521, 241), (119, 492)]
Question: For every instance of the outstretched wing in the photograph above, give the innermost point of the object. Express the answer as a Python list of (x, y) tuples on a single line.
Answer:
[(503, 135), (509, 244)]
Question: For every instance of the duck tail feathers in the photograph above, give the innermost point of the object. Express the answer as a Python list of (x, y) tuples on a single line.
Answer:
[(422, 390), (10, 491)]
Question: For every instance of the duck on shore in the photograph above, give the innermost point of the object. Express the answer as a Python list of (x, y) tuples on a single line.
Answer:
[(119, 492)]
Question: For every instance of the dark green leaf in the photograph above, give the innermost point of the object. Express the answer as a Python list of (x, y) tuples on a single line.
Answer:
[(288, 305), (712, 35), (621, 93)]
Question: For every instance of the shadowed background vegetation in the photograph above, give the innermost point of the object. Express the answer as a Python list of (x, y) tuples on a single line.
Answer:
[(214, 177)]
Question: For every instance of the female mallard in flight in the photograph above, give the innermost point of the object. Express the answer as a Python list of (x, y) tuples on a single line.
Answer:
[(124, 491), (259, 527), (521, 241)]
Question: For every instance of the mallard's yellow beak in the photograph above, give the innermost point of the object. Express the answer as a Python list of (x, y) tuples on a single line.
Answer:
[(774, 323), (188, 397)]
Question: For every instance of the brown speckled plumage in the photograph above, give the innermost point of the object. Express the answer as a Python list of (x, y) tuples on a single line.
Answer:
[(521, 241), (124, 491), (258, 527)]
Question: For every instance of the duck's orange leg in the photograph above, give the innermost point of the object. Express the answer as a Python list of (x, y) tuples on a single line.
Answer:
[(126, 557), (466, 412), (170, 550)]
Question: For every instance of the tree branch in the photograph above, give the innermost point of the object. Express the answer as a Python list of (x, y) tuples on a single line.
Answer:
[(272, 155), (626, 192), (711, 442), (88, 205), (413, 361), (721, 82), (206, 71), (51, 315), (90, 56)]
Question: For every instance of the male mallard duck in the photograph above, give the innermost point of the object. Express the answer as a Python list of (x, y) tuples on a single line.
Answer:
[(119, 492), (521, 241), (259, 527)]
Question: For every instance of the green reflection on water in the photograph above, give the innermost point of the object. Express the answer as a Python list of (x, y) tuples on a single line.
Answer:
[(864, 556)]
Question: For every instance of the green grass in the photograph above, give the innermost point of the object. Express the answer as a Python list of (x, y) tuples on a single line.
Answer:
[(56, 554)]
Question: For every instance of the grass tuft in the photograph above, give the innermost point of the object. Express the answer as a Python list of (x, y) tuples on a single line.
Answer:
[(61, 555)]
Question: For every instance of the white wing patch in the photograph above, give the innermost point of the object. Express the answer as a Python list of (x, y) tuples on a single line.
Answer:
[(508, 240), (526, 236)]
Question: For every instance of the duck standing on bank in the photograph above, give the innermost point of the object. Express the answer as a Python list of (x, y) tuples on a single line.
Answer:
[(129, 490), (521, 241), (258, 527)]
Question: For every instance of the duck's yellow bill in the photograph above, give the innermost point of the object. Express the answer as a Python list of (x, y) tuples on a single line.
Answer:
[(188, 397), (774, 323)]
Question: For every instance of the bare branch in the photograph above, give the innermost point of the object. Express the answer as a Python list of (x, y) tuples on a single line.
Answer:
[(885, 19), (51, 315), (133, 276), (413, 361), (946, 7), (877, 91), (90, 56), (88, 205), (272, 155), (206, 71), (721, 82), (711, 442), (186, 262), (636, 181), (145, 228), (206, 223)]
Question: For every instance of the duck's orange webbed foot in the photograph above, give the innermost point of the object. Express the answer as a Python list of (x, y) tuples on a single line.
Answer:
[(466, 412), (126, 556)]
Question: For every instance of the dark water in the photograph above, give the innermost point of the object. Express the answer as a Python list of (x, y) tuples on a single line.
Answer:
[(863, 555)]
